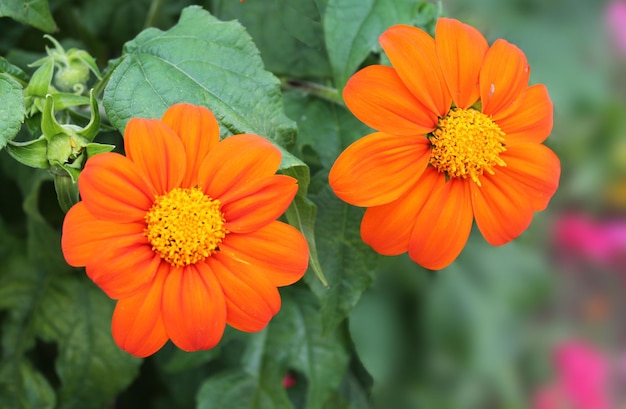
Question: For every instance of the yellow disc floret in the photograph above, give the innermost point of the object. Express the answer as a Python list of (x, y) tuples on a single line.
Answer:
[(466, 143), (185, 226)]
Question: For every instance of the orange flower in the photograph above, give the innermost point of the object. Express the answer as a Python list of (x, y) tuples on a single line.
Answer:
[(183, 232), (460, 139)]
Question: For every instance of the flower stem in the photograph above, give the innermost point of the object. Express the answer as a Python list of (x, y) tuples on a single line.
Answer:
[(312, 88), (153, 12)]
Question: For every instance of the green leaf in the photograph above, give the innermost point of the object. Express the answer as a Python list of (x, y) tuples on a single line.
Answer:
[(288, 33), (33, 12), (32, 153), (375, 331), (24, 388), (345, 260), (202, 61), (323, 359), (352, 28), (239, 390), (301, 214), (13, 70), (295, 340), (12, 109)]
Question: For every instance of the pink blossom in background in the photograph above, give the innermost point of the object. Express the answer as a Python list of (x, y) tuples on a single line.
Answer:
[(602, 242), (615, 18), (581, 376)]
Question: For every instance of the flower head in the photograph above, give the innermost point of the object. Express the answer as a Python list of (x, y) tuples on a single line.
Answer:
[(182, 231), (460, 139)]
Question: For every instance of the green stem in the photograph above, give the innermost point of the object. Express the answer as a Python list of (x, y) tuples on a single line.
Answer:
[(153, 12), (312, 88)]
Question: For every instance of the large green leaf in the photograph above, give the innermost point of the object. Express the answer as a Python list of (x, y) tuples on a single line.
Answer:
[(33, 12), (204, 61), (352, 28), (288, 33), (12, 109)]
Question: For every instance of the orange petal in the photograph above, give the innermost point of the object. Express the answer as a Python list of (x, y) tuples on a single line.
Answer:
[(461, 49), (387, 228), (278, 250), (258, 203), (378, 97), (193, 309), (532, 120), (413, 55), (535, 168), (137, 325), (501, 207), (379, 168), (235, 161), (198, 130), (251, 299), (113, 189), (443, 225), (123, 266), (157, 152), (83, 234), (503, 78)]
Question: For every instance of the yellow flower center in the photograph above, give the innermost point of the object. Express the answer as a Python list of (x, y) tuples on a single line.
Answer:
[(185, 226), (466, 143)]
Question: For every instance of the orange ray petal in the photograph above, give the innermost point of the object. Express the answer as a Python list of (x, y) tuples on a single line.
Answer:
[(461, 49), (379, 168), (532, 120), (198, 130), (121, 266), (387, 228), (378, 97), (157, 152), (413, 55), (501, 207), (443, 225), (278, 250), (83, 234), (113, 189), (235, 161), (251, 299), (259, 203), (535, 168), (137, 325), (193, 309), (503, 78)]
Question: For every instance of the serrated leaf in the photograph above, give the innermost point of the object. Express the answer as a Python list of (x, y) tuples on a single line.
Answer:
[(287, 32), (203, 61), (33, 12), (352, 28), (12, 109)]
